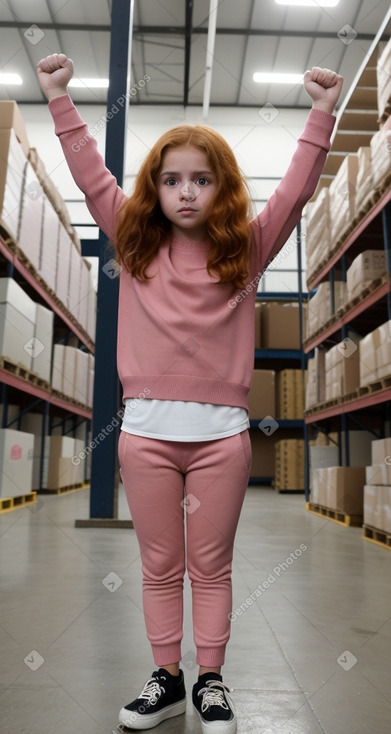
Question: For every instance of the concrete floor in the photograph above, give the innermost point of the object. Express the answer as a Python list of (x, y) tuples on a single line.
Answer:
[(309, 654)]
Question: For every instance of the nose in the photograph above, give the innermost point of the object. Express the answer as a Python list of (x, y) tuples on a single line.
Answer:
[(189, 191)]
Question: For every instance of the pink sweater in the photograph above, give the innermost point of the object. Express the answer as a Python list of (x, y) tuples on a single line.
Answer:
[(181, 335)]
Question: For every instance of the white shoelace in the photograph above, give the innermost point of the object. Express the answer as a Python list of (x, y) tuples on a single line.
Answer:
[(152, 691), (213, 695)]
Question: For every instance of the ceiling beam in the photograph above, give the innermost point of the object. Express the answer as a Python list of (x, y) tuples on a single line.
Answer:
[(181, 30)]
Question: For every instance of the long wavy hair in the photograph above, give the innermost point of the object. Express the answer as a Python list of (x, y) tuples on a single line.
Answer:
[(142, 227)]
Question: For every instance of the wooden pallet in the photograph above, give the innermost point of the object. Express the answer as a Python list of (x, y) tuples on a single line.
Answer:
[(65, 490), (379, 537), (339, 517), (19, 370), (12, 503)]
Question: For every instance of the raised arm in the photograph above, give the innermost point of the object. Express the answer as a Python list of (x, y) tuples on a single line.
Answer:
[(103, 196), (275, 223)]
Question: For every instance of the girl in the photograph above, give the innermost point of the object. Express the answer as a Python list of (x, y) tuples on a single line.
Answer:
[(191, 260)]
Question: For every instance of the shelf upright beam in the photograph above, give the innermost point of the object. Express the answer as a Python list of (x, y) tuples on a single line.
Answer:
[(104, 472), (386, 219)]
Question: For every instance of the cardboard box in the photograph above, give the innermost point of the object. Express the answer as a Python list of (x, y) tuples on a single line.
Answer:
[(378, 474), (257, 325), (377, 507), (261, 397), (381, 451), (263, 453), (49, 245), (12, 163), (43, 334), (74, 282), (342, 363), (81, 376), (61, 468), (32, 423), (17, 322), (342, 192), (11, 117), (30, 229), (367, 266), (381, 158), (16, 465), (63, 265), (280, 324), (344, 489), (364, 184)]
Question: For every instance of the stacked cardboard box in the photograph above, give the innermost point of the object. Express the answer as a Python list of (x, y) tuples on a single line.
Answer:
[(339, 488), (16, 465), (316, 379), (381, 159), (366, 267), (377, 490), (289, 471), (364, 185), (261, 397), (289, 394), (384, 81), (17, 322), (342, 194), (62, 471), (318, 228), (320, 306), (73, 373), (53, 194), (31, 219), (280, 325), (375, 354), (342, 366), (12, 165)]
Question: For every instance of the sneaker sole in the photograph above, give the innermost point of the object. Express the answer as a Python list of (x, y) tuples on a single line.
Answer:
[(217, 727), (133, 720)]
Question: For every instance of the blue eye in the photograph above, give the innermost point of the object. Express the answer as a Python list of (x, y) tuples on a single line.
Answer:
[(171, 181), (202, 181)]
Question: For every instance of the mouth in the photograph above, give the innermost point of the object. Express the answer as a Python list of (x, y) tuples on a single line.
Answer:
[(186, 210)]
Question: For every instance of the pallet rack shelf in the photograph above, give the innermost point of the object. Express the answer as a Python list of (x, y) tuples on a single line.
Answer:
[(7, 378), (369, 406), (41, 291)]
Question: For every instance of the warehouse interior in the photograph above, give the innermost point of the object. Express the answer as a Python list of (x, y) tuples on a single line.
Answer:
[(311, 626)]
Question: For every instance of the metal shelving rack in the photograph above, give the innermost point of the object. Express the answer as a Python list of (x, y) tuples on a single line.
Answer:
[(43, 397), (276, 356)]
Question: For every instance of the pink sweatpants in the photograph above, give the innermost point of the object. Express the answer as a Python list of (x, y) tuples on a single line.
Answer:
[(194, 490)]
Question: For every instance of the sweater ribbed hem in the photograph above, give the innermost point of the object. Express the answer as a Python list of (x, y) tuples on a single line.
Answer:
[(167, 654), (185, 387), (211, 657)]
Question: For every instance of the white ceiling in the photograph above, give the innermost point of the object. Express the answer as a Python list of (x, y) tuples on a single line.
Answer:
[(252, 35)]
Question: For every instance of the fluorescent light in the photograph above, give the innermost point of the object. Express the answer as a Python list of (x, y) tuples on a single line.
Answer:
[(90, 83), (272, 78), (11, 79), (310, 3)]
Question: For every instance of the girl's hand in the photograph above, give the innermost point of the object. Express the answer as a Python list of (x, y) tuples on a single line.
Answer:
[(324, 87), (54, 74)]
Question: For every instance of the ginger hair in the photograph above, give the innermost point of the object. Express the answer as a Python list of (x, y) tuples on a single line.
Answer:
[(142, 227)]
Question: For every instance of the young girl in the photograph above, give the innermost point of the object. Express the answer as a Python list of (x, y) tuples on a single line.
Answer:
[(191, 260)]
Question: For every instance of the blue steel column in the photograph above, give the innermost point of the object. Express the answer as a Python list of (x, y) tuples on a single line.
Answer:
[(386, 220), (106, 386)]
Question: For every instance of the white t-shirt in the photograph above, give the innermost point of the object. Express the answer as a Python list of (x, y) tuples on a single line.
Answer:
[(177, 420)]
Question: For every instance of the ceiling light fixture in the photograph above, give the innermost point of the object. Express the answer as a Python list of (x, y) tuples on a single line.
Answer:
[(310, 3), (274, 78), (90, 83), (11, 79)]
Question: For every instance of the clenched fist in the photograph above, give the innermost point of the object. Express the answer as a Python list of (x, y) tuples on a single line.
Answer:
[(54, 74), (324, 87)]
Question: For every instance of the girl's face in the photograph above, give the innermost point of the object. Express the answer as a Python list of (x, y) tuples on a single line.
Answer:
[(186, 187)]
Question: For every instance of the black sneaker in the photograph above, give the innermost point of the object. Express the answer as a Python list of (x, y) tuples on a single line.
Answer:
[(213, 704), (162, 697)]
